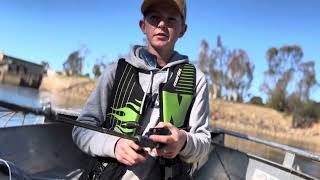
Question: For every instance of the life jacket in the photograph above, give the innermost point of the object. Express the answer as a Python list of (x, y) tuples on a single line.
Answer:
[(125, 109), (127, 96)]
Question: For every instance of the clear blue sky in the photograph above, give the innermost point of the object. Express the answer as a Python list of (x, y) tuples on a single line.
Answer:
[(50, 30)]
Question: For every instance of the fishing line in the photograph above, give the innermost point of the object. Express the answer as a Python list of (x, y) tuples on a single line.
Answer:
[(6, 163)]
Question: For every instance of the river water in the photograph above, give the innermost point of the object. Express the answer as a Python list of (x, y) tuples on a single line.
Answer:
[(34, 98)]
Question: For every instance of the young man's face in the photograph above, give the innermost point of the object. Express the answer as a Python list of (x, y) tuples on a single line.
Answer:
[(163, 25)]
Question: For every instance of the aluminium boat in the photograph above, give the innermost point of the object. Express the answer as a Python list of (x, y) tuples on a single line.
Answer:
[(46, 152)]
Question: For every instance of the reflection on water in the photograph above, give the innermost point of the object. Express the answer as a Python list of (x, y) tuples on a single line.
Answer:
[(34, 98), (31, 98), (20, 95), (59, 101)]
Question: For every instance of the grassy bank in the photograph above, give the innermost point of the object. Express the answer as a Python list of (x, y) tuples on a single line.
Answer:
[(263, 122)]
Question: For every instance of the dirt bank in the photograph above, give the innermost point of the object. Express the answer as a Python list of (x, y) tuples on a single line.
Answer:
[(263, 122), (74, 86)]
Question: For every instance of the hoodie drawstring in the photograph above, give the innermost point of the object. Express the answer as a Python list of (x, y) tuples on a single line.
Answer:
[(148, 91), (168, 74)]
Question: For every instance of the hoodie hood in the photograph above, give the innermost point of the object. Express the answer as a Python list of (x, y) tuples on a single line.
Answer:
[(140, 58)]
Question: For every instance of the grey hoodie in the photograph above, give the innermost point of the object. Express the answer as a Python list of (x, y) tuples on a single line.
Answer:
[(94, 111)]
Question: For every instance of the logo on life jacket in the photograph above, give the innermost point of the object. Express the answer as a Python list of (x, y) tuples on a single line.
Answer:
[(177, 95), (175, 107), (127, 114)]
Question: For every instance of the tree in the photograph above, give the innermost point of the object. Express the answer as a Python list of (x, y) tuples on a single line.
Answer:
[(229, 73), (96, 70), (215, 74), (287, 70), (45, 64), (239, 74), (208, 65), (308, 79), (203, 60), (219, 58), (74, 64), (304, 110), (282, 65)]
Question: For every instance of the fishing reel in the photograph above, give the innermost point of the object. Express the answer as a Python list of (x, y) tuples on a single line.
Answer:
[(158, 131)]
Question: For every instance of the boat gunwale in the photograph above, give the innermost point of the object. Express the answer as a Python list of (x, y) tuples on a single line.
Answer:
[(269, 162), (283, 147)]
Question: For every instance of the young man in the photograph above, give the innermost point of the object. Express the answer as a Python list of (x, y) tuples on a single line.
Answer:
[(153, 87)]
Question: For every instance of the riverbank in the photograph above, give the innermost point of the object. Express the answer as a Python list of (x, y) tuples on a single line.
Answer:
[(68, 86), (263, 122), (67, 91)]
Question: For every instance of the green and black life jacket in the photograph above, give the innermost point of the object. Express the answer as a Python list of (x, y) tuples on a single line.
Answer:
[(125, 104), (125, 107)]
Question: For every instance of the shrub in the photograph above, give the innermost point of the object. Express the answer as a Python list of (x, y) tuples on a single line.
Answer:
[(278, 101), (256, 100), (304, 113)]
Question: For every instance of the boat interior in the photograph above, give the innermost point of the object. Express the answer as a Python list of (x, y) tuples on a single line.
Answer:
[(46, 151)]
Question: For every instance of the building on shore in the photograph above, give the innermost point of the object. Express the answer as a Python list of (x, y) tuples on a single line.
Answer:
[(20, 72)]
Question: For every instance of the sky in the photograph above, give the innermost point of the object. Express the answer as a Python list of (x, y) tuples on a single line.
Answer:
[(49, 30)]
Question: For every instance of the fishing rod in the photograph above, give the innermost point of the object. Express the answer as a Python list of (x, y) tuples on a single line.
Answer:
[(53, 115)]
